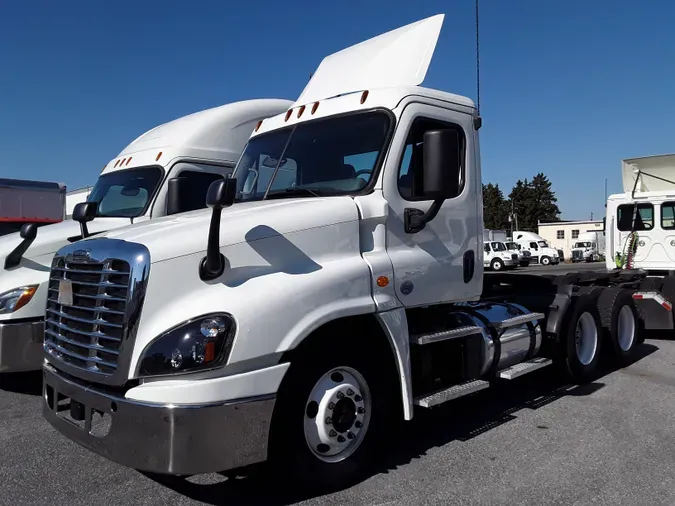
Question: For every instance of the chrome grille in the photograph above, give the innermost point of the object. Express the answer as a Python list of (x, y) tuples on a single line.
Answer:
[(514, 256), (87, 334), (577, 254)]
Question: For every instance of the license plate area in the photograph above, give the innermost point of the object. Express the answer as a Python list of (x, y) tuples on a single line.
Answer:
[(93, 421)]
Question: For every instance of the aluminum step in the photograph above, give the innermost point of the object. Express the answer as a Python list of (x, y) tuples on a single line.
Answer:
[(524, 367), (517, 320), (448, 394), (434, 337)]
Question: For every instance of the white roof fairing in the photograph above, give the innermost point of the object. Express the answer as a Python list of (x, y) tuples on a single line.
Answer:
[(219, 133), (400, 57), (660, 166)]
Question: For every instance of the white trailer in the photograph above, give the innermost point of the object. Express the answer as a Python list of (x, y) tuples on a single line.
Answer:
[(75, 197), (164, 172), (310, 309), (23, 201)]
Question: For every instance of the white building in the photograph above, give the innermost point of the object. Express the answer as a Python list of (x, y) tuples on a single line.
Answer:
[(562, 234)]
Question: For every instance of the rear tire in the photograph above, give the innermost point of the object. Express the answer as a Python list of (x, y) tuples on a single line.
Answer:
[(333, 409), (621, 323), (581, 338), (497, 265)]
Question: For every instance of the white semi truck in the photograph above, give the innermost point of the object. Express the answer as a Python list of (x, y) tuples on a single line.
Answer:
[(165, 171), (540, 251), (334, 287), (588, 247)]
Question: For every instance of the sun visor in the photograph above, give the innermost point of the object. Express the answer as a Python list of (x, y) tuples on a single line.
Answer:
[(657, 173), (399, 57)]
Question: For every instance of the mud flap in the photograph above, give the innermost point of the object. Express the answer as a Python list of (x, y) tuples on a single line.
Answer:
[(655, 310)]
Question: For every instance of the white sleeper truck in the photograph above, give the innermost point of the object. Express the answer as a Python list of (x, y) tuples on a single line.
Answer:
[(165, 171), (334, 287), (540, 251), (588, 247)]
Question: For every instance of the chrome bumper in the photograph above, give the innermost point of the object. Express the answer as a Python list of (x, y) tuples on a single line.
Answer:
[(21, 346), (180, 440)]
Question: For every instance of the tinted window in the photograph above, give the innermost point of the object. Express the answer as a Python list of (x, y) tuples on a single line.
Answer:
[(410, 170), (644, 217), (668, 215), (193, 194), (125, 193), (332, 156)]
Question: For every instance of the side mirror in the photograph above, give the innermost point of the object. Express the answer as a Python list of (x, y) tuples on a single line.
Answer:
[(28, 233), (441, 175), (175, 190), (83, 213), (221, 194), (604, 225), (442, 164)]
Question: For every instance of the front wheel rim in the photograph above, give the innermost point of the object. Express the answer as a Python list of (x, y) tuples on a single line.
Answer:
[(626, 328), (337, 414), (586, 338)]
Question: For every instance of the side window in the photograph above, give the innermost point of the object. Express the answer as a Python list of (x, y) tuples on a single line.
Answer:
[(410, 170), (533, 245), (193, 195), (487, 247), (668, 215), (644, 217)]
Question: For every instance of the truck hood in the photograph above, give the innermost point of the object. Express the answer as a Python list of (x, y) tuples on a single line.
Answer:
[(52, 237), (187, 233)]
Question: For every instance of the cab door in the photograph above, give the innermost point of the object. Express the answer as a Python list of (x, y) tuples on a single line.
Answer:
[(444, 261)]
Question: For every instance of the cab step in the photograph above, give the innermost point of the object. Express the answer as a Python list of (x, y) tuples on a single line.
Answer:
[(524, 367), (517, 320), (434, 337), (448, 394)]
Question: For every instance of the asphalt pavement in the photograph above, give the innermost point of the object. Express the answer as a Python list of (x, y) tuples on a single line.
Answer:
[(535, 440)]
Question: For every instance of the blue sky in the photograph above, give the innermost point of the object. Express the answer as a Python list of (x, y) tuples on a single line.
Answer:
[(568, 88)]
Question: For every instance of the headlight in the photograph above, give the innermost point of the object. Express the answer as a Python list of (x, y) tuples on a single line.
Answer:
[(16, 299), (199, 344)]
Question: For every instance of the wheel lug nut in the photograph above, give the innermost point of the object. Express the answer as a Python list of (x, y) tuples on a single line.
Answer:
[(361, 410), (358, 398), (329, 420), (340, 395), (332, 433), (331, 405), (350, 392), (358, 424), (341, 439), (350, 435)]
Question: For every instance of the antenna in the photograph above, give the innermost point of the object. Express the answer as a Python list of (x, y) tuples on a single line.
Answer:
[(477, 62)]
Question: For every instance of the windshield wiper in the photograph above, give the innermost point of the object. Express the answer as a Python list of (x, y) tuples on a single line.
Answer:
[(294, 192)]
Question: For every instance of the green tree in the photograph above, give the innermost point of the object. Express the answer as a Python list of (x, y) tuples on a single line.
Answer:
[(495, 210), (534, 201)]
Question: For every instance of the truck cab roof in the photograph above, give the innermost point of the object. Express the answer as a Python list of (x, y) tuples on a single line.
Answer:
[(216, 133)]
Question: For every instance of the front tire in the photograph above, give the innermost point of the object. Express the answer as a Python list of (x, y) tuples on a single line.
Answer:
[(497, 265), (333, 410), (545, 261)]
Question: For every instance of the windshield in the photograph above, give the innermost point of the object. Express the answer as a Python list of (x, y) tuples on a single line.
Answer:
[(125, 193), (542, 244), (498, 246), (582, 245), (332, 156), (512, 245)]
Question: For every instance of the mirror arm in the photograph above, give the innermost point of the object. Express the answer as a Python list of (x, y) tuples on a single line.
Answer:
[(14, 257), (415, 220), (213, 264), (84, 230)]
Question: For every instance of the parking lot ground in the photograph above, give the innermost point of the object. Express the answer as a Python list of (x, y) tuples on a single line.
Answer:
[(535, 440)]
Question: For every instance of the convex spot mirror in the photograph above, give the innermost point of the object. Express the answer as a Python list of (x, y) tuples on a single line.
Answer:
[(442, 171)]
